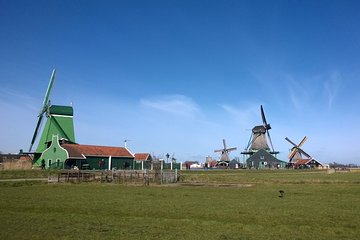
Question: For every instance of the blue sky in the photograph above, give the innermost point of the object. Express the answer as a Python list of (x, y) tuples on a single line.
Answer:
[(179, 76)]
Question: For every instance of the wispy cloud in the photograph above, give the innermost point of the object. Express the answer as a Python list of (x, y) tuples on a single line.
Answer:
[(173, 104), (301, 91), (242, 115), (297, 90), (331, 86), (19, 100)]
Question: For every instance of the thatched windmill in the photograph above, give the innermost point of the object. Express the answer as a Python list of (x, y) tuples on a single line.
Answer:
[(224, 158), (260, 153), (297, 152), (259, 137)]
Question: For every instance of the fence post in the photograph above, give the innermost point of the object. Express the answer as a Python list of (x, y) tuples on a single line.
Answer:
[(161, 176), (110, 163)]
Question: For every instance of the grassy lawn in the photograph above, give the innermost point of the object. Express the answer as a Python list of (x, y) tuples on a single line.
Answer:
[(270, 176), (316, 206)]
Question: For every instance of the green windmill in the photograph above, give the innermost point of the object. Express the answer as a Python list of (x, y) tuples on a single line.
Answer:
[(59, 124)]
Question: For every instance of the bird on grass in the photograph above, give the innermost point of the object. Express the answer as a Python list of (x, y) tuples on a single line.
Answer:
[(281, 193)]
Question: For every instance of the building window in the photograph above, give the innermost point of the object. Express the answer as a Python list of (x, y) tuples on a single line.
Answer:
[(49, 162), (58, 162)]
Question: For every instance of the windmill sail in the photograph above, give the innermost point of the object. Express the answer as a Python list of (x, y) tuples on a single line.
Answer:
[(296, 151), (43, 109), (225, 152)]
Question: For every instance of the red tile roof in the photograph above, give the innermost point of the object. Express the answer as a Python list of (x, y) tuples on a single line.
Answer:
[(142, 156), (78, 150), (302, 161), (307, 161)]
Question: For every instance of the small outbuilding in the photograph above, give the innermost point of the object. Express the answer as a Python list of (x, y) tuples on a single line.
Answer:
[(234, 164), (142, 161)]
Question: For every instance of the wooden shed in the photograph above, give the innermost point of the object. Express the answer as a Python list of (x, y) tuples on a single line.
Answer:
[(142, 161)]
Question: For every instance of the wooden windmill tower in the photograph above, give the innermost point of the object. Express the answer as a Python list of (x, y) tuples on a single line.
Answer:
[(259, 152), (296, 152), (259, 138), (296, 156), (59, 123), (224, 158)]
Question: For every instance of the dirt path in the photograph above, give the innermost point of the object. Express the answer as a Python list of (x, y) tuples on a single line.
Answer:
[(23, 179)]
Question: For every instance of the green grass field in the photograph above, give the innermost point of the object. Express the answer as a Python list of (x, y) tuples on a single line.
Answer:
[(206, 205)]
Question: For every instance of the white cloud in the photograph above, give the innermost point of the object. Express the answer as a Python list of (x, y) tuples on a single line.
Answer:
[(297, 91), (20, 100), (331, 87), (242, 115), (302, 91), (173, 104)]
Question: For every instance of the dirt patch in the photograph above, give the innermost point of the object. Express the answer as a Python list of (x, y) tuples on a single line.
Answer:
[(219, 185)]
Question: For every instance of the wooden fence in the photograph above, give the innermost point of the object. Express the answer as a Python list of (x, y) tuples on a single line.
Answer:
[(145, 177)]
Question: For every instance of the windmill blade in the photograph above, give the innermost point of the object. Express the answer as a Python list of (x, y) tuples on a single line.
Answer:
[(249, 142), (263, 115), (220, 150), (224, 142), (36, 132), (266, 125), (305, 153), (43, 108), (302, 141), (287, 139), (231, 149), (48, 90), (272, 148)]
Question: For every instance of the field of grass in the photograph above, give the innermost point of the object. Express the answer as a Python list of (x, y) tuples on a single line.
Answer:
[(270, 176), (207, 205)]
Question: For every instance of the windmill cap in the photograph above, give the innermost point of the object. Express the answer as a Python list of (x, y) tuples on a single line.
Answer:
[(62, 110)]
